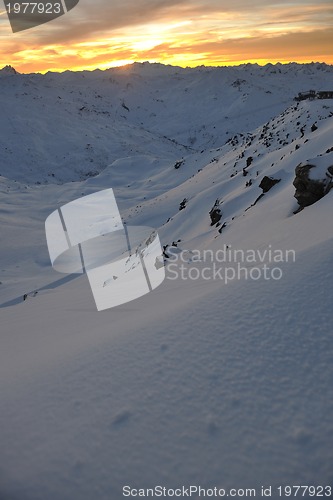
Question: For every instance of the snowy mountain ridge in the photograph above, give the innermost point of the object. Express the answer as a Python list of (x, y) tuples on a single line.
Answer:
[(72, 125)]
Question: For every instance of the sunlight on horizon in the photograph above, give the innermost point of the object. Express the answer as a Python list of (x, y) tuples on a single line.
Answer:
[(189, 37)]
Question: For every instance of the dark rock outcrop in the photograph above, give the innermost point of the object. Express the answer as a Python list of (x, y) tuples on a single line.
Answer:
[(308, 190), (215, 213), (182, 204), (267, 183), (178, 164)]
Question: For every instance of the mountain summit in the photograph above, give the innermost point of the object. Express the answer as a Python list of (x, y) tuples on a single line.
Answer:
[(8, 70)]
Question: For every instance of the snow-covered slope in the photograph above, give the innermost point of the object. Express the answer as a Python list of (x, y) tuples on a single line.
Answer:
[(206, 381), (72, 125)]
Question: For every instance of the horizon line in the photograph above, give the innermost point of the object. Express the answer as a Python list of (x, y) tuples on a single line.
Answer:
[(129, 64)]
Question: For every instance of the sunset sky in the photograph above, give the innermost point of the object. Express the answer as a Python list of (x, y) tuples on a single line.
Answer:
[(105, 33)]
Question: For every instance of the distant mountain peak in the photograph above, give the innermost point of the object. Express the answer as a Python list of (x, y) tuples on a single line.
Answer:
[(9, 70)]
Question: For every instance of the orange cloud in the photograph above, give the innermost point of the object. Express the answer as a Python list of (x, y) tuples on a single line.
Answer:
[(181, 32)]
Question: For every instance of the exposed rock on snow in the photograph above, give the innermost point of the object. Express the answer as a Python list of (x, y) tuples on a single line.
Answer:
[(313, 180), (182, 204), (215, 213), (267, 183)]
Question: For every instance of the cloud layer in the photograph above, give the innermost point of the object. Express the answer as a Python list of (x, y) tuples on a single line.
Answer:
[(185, 32)]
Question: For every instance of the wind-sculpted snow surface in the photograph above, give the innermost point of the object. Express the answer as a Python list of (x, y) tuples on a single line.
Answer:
[(222, 376)]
